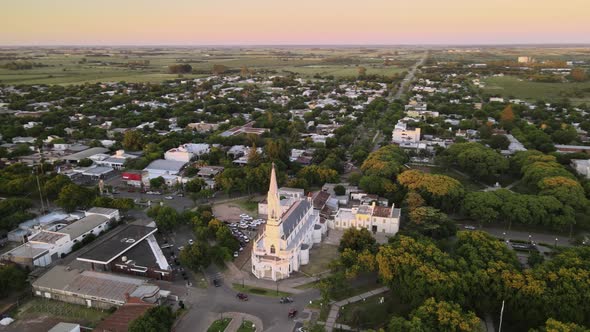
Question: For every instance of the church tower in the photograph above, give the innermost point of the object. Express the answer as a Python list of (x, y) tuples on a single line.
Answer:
[(273, 223)]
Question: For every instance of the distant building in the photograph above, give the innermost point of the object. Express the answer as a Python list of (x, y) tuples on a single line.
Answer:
[(525, 59), (582, 167), (186, 152), (167, 169), (248, 128)]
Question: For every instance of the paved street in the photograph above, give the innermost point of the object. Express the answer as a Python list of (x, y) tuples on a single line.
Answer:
[(524, 236), (409, 77), (207, 305)]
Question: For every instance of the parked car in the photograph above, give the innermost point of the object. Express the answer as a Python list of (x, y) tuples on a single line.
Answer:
[(470, 227), (190, 241), (242, 296), (292, 313), (216, 283), (286, 300), (236, 254), (169, 198)]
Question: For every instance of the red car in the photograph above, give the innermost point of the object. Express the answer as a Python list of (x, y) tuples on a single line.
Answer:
[(242, 296), (292, 313)]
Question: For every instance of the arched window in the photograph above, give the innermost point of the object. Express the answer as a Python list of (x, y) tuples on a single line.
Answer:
[(272, 249)]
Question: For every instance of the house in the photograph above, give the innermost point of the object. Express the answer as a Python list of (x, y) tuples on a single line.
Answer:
[(404, 133), (248, 128), (582, 167), (132, 179), (208, 174), (167, 169), (202, 127), (186, 152)]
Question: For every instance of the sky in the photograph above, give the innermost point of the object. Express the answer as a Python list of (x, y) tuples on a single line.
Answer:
[(296, 22)]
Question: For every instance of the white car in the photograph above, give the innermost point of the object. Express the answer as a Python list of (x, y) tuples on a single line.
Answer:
[(191, 241), (180, 248), (169, 198), (236, 254), (470, 227)]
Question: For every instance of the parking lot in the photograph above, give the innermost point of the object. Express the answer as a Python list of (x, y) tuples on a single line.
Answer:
[(245, 231)]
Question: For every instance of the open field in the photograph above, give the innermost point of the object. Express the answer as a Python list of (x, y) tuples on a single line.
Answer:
[(90, 65), (509, 86), (40, 309), (371, 313), (320, 257)]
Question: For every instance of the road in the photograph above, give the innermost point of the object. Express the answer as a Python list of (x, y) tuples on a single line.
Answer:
[(409, 77), (209, 304), (536, 237)]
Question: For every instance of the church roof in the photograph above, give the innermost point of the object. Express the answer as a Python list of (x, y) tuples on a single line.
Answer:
[(294, 215)]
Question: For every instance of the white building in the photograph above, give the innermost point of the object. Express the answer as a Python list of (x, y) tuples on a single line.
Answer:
[(582, 167), (289, 233), (376, 219), (402, 133), (167, 169), (47, 245), (186, 152)]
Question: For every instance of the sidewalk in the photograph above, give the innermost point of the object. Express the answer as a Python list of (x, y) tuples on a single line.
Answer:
[(238, 276), (334, 311)]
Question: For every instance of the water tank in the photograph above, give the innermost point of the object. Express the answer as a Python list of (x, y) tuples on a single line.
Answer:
[(304, 254)]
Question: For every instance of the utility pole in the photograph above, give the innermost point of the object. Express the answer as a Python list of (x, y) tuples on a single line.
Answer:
[(35, 169), (501, 316)]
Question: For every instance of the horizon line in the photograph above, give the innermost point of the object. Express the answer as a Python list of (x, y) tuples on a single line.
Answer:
[(571, 44)]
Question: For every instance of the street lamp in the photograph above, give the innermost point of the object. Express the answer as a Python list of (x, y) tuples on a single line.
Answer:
[(530, 239), (504, 234), (556, 239)]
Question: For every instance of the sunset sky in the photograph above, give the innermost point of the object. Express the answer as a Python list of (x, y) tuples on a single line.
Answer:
[(231, 22)]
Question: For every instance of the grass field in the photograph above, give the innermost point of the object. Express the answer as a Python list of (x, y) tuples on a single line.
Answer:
[(247, 326), (38, 307), (76, 66), (320, 257), (219, 325), (509, 86), (370, 313), (259, 291)]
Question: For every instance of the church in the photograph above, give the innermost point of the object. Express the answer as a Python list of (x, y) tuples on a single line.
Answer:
[(289, 233)]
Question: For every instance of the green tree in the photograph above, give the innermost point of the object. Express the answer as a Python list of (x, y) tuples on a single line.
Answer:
[(156, 319), (357, 240), (196, 256), (440, 316), (157, 183), (73, 196), (133, 140)]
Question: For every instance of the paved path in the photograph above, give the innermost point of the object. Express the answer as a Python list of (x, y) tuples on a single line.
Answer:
[(335, 310), (409, 77)]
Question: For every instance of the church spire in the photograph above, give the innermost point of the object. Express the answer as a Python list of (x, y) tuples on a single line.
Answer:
[(273, 199)]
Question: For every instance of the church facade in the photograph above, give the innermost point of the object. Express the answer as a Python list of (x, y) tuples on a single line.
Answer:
[(289, 233)]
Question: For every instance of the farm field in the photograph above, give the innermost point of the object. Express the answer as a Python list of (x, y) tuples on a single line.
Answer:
[(88, 65), (509, 86)]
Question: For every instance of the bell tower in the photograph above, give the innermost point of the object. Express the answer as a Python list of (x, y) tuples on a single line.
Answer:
[(273, 223)]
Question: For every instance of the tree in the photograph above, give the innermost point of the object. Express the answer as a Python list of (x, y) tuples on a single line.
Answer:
[(180, 68), (218, 69), (553, 325), (567, 190), (156, 319), (244, 71), (499, 142), (564, 136), (133, 140), (579, 75), (12, 278), (362, 71), (85, 162), (157, 183), (431, 222), (535, 258), (196, 256), (482, 206), (54, 185), (479, 161), (339, 190), (357, 240), (195, 185), (414, 200), (440, 316), (440, 191), (73, 196), (166, 218), (507, 117)]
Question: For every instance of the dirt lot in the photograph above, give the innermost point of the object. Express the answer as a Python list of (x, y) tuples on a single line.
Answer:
[(230, 211)]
